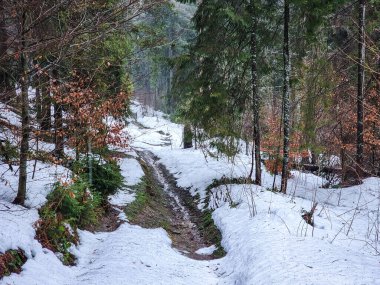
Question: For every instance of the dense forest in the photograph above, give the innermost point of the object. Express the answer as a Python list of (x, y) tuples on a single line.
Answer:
[(264, 94), (76, 56), (299, 79)]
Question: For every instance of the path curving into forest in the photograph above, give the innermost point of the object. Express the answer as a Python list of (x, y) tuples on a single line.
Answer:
[(139, 252), (183, 218)]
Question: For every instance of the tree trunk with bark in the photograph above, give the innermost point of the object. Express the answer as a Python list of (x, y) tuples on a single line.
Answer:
[(187, 136), (24, 148), (58, 121), (38, 104), (360, 91), (45, 105), (286, 101), (255, 94)]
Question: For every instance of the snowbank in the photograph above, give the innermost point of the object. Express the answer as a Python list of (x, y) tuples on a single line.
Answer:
[(266, 239), (132, 255), (16, 224)]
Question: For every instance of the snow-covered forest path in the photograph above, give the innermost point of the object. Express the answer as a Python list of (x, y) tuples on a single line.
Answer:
[(136, 255), (273, 246), (133, 255), (181, 217), (263, 250)]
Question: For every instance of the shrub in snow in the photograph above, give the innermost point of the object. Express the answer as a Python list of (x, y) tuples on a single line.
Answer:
[(106, 176), (8, 152), (69, 206), (53, 234), (75, 203), (11, 261)]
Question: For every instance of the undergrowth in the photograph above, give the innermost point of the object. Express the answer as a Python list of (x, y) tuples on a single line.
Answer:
[(208, 228), (141, 199), (223, 181), (77, 204), (8, 152), (11, 261), (106, 175), (69, 206), (149, 208), (207, 223)]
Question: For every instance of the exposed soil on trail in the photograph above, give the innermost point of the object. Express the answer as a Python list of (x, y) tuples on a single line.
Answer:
[(109, 220), (168, 206)]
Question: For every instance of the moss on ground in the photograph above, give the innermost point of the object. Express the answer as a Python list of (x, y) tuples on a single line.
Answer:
[(214, 236), (152, 209), (149, 209)]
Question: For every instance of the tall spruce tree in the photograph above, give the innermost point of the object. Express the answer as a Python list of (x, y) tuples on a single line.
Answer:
[(255, 94), (221, 73), (286, 98)]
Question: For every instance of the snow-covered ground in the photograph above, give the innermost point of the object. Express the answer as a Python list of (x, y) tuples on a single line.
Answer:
[(16, 223), (266, 239), (132, 255)]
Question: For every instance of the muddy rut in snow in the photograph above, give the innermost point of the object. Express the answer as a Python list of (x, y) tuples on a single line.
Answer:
[(172, 208)]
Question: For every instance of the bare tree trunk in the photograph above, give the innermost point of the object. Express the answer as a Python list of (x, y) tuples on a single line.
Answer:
[(170, 77), (255, 95), (3, 32), (360, 91), (195, 137), (3, 48), (187, 136), (38, 103), (58, 121), (45, 105), (286, 103), (313, 157), (21, 192)]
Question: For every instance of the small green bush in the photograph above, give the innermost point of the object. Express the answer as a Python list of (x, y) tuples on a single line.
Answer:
[(69, 206), (55, 234), (107, 178), (11, 261), (8, 152), (77, 205), (106, 175)]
